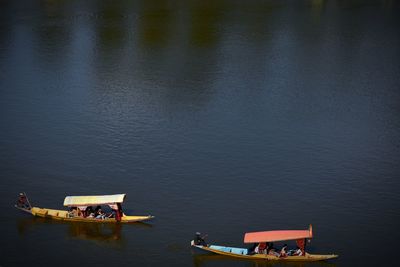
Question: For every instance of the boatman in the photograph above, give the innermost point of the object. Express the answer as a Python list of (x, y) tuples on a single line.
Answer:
[(199, 240), (22, 201)]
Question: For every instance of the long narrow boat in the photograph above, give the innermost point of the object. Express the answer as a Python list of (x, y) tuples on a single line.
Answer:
[(300, 236), (82, 203)]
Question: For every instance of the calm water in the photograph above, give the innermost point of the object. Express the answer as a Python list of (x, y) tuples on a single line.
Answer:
[(215, 116)]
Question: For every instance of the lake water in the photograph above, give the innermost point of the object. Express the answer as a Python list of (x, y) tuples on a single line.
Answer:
[(215, 116)]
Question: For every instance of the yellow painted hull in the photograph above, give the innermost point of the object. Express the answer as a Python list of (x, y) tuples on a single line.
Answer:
[(308, 257), (64, 216)]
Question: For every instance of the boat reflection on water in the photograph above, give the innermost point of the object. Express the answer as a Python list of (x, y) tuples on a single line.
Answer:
[(99, 233), (201, 260)]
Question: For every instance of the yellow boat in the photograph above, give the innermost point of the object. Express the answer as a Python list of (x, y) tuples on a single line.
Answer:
[(80, 205), (264, 240)]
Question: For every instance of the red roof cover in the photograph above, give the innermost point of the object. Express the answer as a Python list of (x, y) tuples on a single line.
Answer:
[(280, 235)]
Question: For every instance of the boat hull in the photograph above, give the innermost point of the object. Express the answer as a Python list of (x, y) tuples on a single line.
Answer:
[(242, 253), (64, 216)]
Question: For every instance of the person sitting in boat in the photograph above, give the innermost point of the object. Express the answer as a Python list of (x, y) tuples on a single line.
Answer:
[(89, 212), (251, 250), (22, 201), (199, 240), (96, 211), (74, 212), (99, 213), (283, 252), (112, 214), (297, 252), (261, 248), (269, 247), (271, 250)]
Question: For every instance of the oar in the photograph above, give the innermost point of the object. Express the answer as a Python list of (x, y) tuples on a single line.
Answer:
[(27, 200)]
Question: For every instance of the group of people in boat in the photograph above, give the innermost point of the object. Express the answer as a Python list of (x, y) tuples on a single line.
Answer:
[(96, 213), (266, 248), (269, 249), (83, 212)]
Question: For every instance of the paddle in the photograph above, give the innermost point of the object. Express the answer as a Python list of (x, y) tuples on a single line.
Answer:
[(27, 200)]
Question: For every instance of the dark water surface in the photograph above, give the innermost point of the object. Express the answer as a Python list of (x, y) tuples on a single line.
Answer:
[(215, 116)]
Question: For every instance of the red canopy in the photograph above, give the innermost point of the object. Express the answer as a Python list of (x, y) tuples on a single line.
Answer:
[(280, 235)]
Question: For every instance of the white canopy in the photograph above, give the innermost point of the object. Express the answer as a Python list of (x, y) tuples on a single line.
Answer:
[(93, 200)]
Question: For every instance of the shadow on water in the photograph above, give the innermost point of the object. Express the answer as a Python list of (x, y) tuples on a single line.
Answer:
[(200, 260), (98, 233)]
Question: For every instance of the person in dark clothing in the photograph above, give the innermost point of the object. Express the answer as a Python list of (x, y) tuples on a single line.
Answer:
[(270, 246), (198, 240), (283, 252), (272, 250), (250, 250), (89, 212), (23, 201), (97, 210)]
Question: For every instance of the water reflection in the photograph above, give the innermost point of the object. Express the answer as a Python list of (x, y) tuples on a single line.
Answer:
[(53, 31), (205, 16), (95, 232), (317, 9), (178, 46), (5, 27), (156, 17), (99, 233), (112, 28)]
